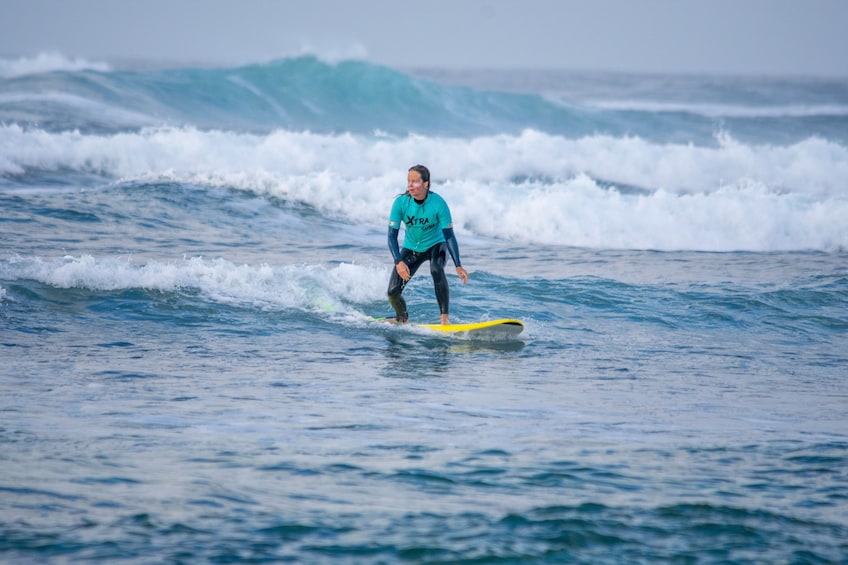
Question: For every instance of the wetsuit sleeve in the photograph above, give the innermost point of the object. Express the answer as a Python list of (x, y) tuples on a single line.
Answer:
[(396, 215), (393, 243), (453, 246)]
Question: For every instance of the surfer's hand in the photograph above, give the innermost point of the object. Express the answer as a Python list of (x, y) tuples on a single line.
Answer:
[(403, 270), (462, 274)]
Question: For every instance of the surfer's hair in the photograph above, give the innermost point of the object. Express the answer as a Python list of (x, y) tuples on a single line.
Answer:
[(423, 171)]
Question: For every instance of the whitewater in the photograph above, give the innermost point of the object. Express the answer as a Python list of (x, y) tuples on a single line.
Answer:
[(191, 258)]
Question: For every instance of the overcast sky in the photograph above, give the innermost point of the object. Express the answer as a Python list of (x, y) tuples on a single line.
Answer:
[(774, 37)]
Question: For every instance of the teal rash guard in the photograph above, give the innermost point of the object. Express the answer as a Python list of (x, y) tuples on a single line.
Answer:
[(427, 224)]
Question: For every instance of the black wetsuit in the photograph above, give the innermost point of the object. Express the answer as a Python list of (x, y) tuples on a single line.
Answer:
[(437, 255), (423, 241)]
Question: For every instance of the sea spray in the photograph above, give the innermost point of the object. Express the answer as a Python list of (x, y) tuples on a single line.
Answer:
[(590, 192)]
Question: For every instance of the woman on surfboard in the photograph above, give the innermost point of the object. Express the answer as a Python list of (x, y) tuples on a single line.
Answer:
[(429, 237)]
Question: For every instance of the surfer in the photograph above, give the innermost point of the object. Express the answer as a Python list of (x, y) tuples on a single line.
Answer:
[(429, 237)]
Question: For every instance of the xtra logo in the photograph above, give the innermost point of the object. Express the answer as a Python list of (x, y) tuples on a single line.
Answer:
[(420, 223), (412, 221)]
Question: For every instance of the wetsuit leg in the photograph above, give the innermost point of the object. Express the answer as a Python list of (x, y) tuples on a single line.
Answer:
[(397, 284), (438, 258)]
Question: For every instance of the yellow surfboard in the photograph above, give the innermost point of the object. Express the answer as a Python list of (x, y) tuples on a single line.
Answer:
[(492, 329), (505, 328)]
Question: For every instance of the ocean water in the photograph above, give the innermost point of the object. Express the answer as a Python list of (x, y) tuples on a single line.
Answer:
[(190, 256)]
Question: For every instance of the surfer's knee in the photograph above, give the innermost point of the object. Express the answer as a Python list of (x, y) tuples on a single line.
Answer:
[(437, 270), (396, 285)]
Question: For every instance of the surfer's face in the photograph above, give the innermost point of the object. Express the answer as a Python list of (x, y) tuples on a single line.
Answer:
[(417, 188)]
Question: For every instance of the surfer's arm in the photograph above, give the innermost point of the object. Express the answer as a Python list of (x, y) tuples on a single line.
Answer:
[(453, 249), (393, 243), (453, 246)]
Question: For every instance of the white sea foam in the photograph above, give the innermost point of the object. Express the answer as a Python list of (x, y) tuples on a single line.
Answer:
[(335, 53), (305, 287), (596, 191), (47, 62), (725, 110)]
